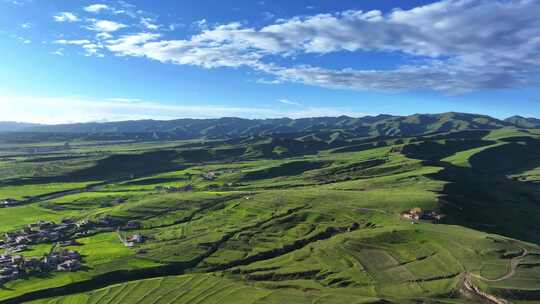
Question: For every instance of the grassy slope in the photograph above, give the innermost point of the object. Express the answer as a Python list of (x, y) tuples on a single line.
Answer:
[(266, 235)]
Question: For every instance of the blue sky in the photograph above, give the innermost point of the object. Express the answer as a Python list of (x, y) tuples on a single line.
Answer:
[(69, 61)]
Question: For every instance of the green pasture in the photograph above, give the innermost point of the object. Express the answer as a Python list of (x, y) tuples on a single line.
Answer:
[(289, 223)]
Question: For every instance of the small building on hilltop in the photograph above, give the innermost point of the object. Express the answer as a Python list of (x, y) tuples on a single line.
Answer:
[(136, 238), (174, 189), (69, 265), (412, 214), (416, 214)]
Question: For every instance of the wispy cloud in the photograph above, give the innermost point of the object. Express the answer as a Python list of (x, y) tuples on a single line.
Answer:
[(149, 23), (201, 24), (289, 102), (82, 109), (106, 26), (96, 8), (18, 2), (21, 39), (59, 52), (451, 46), (90, 48), (66, 17), (73, 42)]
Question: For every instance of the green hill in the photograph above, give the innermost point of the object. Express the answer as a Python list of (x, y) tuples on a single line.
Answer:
[(337, 127), (9, 126), (300, 217), (524, 122)]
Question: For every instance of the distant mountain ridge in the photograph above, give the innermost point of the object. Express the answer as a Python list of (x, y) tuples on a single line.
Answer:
[(524, 122), (231, 127), (10, 126)]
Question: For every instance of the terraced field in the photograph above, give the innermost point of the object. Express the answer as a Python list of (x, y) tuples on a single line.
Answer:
[(257, 221)]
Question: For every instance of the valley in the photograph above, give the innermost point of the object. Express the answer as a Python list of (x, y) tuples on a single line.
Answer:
[(302, 217)]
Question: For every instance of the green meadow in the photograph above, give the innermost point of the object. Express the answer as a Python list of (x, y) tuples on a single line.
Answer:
[(261, 220)]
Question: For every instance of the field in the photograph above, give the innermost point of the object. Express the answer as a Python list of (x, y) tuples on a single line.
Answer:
[(273, 220)]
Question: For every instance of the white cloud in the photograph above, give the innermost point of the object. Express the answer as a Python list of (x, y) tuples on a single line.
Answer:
[(66, 17), (198, 53), (22, 39), (149, 23), (323, 112), (450, 46), (127, 9), (201, 24), (96, 8), (289, 102), (102, 36), (106, 26), (174, 26), (90, 48), (79, 109), (18, 2), (73, 42), (26, 26)]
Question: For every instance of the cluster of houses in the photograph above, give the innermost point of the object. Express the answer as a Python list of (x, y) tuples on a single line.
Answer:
[(63, 260), (212, 175), (14, 267), (62, 233), (416, 214), (9, 202), (175, 189), (42, 232)]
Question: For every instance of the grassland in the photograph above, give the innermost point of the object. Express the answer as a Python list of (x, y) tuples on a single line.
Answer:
[(282, 224)]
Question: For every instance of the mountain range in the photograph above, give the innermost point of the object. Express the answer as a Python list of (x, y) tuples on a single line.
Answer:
[(10, 126), (231, 127)]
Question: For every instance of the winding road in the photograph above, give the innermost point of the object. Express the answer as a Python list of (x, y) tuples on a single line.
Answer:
[(514, 262), (467, 285)]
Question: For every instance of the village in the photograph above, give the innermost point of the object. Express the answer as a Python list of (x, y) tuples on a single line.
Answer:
[(51, 232), (14, 266), (174, 189), (416, 214)]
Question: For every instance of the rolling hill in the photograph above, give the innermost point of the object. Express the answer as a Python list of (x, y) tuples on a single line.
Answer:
[(10, 126), (381, 125), (524, 122), (310, 216)]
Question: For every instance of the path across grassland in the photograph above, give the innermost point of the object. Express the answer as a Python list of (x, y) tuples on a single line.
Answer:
[(467, 285), (469, 288), (514, 262)]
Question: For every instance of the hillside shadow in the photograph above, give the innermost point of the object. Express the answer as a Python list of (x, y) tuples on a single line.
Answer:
[(114, 167), (435, 150), (483, 197)]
